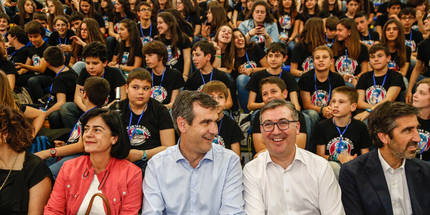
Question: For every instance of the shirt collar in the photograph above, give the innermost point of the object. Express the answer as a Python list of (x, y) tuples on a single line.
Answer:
[(178, 155), (385, 166), (297, 157)]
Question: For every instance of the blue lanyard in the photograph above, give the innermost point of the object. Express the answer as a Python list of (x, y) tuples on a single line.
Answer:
[(76, 124), (162, 77), (410, 36), (346, 54), (339, 148), (247, 58), (219, 126), (329, 85), (59, 41), (50, 88), (131, 119), (141, 30), (383, 82), (210, 79)]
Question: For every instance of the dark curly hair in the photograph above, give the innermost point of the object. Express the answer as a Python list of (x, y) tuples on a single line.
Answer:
[(18, 129)]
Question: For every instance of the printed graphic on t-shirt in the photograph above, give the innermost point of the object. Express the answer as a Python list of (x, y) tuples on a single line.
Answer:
[(336, 147), (219, 140), (368, 42), (393, 66), (375, 94), (124, 58), (320, 98), (141, 135), (158, 93), (285, 21), (249, 64), (411, 44), (76, 133), (346, 65), (145, 39), (36, 60), (308, 64), (172, 58), (258, 39), (424, 144)]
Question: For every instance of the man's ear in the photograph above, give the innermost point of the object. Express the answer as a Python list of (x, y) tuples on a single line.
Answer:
[(182, 124), (384, 138), (285, 94)]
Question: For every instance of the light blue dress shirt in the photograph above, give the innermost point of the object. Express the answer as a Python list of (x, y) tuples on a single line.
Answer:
[(172, 186)]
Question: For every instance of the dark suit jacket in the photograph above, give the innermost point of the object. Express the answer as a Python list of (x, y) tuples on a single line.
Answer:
[(365, 190)]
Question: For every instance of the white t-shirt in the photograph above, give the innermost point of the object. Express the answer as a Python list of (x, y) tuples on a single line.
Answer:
[(98, 208)]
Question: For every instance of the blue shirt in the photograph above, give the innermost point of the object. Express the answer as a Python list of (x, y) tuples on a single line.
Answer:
[(172, 186), (271, 29)]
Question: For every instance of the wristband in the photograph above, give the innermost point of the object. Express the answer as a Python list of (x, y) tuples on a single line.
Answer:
[(145, 156), (321, 110), (369, 110), (218, 56)]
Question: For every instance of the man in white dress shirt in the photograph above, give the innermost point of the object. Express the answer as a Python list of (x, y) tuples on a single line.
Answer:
[(286, 179)]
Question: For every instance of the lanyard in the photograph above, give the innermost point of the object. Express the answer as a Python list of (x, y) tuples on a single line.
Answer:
[(162, 77), (50, 88), (383, 82), (59, 41), (131, 119), (346, 54), (141, 30), (247, 59), (410, 36), (13, 53), (339, 148), (210, 79), (329, 86), (219, 126), (76, 124)]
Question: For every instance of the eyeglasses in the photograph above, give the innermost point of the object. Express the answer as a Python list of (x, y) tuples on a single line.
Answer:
[(407, 17), (283, 124), (145, 9)]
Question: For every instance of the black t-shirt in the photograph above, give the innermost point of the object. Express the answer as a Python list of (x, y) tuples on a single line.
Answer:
[(36, 54), (412, 39), (381, 19), (7, 67), (302, 57), (304, 17), (65, 83), (356, 137), (254, 82), (424, 55), (195, 82), (193, 19), (146, 135), (320, 91), (394, 62), (285, 25), (18, 56), (175, 54), (14, 196), (55, 38), (256, 123), (229, 132), (112, 75), (255, 54), (424, 145), (344, 64), (147, 34), (375, 93), (172, 80), (124, 57), (371, 37)]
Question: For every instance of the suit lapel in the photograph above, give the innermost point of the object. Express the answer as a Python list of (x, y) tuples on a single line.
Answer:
[(413, 178), (378, 181)]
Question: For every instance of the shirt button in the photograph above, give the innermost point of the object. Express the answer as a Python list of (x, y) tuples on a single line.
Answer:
[(123, 193), (114, 199), (68, 186), (76, 196)]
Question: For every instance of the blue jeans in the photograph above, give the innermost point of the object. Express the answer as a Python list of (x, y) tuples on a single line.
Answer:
[(55, 168), (243, 93), (311, 117)]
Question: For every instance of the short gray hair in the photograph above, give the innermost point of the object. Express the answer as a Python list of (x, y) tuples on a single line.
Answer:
[(183, 106), (280, 103)]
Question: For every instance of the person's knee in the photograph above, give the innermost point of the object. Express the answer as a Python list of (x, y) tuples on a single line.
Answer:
[(242, 80)]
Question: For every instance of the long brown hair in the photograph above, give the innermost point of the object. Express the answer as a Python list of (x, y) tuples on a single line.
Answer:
[(269, 17), (400, 41), (219, 17), (228, 55), (352, 43), (293, 10), (59, 10), (177, 36), (6, 93), (22, 12), (313, 33), (93, 32)]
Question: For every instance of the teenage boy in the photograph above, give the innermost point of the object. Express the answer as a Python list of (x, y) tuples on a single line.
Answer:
[(76, 20), (330, 30), (316, 85), (4, 24), (421, 100), (95, 55), (272, 88), (147, 28), (412, 37), (148, 123), (380, 85), (95, 94), (166, 81), (393, 10), (42, 19), (63, 85), (229, 133), (276, 55), (341, 138), (367, 36), (203, 53), (352, 7)]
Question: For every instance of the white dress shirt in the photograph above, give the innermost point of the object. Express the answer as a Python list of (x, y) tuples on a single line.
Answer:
[(397, 186), (307, 187)]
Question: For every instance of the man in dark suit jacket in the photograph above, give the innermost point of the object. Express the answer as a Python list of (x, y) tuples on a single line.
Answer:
[(388, 180)]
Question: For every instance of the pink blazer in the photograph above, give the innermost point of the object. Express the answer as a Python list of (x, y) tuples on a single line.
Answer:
[(122, 186)]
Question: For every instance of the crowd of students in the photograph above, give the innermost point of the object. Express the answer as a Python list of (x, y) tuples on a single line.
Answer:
[(62, 62)]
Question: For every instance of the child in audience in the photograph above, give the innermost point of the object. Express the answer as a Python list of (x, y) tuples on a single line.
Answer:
[(380, 85), (367, 36), (276, 56), (166, 81), (421, 100), (229, 133)]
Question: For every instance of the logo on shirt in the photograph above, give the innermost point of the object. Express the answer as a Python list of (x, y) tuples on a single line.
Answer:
[(320, 98), (393, 66), (424, 144), (258, 39), (159, 93), (368, 42), (375, 94), (36, 60), (76, 133), (249, 65), (346, 65), (411, 44), (124, 58), (308, 64), (145, 40), (285, 22), (141, 135), (219, 140), (336, 147), (172, 58)]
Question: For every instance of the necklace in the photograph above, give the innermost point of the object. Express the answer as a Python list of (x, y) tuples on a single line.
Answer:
[(10, 171)]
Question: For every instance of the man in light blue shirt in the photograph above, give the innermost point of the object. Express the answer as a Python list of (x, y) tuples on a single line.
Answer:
[(194, 176)]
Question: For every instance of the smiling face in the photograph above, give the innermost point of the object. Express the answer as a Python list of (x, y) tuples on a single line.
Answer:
[(29, 7), (239, 40), (342, 33), (98, 137), (138, 92), (271, 91), (379, 60), (421, 97), (118, 7), (162, 26), (123, 32), (209, 16), (61, 27), (225, 34)]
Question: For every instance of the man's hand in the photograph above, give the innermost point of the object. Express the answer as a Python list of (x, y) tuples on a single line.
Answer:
[(344, 157)]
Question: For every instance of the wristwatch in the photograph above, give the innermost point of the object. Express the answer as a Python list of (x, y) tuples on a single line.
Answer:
[(53, 152)]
